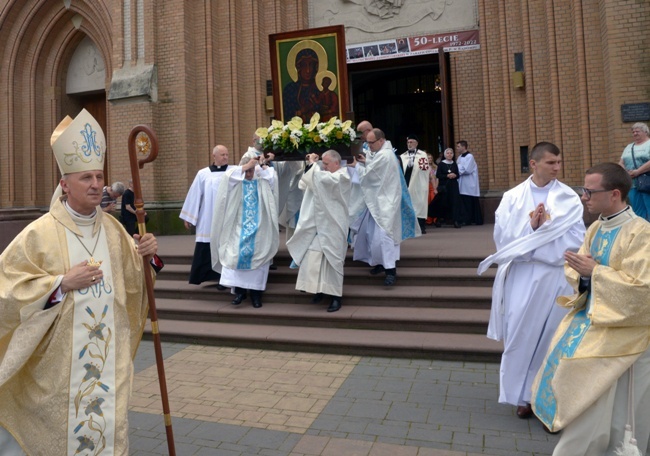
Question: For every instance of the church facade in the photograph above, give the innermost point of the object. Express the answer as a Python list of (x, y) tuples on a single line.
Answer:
[(502, 75)]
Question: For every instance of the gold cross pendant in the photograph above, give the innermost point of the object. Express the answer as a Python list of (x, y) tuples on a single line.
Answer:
[(94, 263)]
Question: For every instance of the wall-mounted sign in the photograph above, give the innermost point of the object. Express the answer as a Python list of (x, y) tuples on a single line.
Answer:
[(634, 112), (415, 45)]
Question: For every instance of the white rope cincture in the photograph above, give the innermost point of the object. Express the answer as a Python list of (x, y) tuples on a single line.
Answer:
[(629, 446)]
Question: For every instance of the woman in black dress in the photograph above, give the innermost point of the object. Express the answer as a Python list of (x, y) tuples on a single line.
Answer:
[(446, 204)]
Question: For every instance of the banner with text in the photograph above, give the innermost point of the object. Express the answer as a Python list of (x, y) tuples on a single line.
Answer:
[(416, 45)]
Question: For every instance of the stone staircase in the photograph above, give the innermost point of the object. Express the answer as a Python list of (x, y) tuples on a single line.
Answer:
[(439, 307)]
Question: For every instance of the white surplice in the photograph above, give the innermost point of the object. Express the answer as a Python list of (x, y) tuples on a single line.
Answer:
[(199, 202), (468, 183), (246, 237), (319, 244), (529, 279)]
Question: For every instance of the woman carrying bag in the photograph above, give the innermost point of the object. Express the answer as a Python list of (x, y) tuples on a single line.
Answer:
[(636, 160)]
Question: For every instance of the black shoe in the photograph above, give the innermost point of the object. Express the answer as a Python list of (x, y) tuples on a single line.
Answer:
[(318, 297), (457, 225), (389, 281), (423, 231), (256, 297), (548, 431), (221, 287), (335, 305), (377, 269), (524, 411), (239, 297)]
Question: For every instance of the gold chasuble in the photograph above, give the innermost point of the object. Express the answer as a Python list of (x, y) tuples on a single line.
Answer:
[(608, 328), (66, 372)]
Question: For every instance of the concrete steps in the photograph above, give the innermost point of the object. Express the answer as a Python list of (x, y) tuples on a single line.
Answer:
[(357, 274), (439, 308), (448, 346), (313, 315), (373, 292)]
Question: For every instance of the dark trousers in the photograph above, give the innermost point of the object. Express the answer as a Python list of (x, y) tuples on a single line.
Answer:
[(470, 213), (131, 227)]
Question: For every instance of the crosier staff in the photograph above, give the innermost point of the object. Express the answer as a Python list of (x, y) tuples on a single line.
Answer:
[(142, 140)]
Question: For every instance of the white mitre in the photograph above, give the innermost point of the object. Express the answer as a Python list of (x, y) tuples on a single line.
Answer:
[(78, 145)]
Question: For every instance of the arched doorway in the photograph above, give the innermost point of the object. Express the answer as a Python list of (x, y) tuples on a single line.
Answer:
[(86, 84)]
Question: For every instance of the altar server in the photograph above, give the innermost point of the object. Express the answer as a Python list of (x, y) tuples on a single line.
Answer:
[(198, 211), (536, 222)]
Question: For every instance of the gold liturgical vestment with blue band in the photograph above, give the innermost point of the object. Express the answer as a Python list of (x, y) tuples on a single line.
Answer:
[(66, 372), (608, 328)]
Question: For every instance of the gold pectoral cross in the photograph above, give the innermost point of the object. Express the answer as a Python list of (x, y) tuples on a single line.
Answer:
[(94, 263)]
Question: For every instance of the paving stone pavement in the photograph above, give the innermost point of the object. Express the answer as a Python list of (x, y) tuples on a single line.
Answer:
[(238, 402)]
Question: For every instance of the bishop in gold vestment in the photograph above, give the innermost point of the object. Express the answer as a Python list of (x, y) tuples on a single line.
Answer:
[(72, 310)]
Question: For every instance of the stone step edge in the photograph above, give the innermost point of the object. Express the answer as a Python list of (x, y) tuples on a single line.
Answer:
[(300, 311), (412, 271), (375, 289), (455, 261), (295, 338)]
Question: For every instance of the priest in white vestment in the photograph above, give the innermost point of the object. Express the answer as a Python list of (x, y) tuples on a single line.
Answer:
[(319, 243), (535, 224), (415, 164), (72, 310), (198, 211), (283, 184), (246, 238), (389, 217), (594, 384)]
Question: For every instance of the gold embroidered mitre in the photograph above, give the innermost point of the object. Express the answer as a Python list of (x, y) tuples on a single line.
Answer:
[(79, 144)]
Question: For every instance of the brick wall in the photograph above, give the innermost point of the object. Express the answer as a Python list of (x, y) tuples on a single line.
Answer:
[(582, 60), (580, 65)]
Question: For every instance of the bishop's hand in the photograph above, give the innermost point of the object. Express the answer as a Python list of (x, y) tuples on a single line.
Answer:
[(147, 245), (80, 276)]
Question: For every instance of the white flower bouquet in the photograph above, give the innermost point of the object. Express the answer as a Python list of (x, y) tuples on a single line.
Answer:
[(302, 138)]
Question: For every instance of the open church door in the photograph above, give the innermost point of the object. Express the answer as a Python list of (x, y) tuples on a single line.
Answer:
[(445, 99)]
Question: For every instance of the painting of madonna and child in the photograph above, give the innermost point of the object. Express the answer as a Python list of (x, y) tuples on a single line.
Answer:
[(309, 76)]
